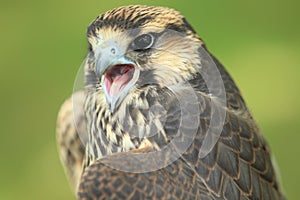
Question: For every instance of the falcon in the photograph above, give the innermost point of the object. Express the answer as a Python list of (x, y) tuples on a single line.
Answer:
[(160, 117)]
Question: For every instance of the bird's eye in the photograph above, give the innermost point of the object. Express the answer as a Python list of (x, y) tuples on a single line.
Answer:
[(143, 42)]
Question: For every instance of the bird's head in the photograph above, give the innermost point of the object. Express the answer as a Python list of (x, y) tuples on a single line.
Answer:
[(136, 46)]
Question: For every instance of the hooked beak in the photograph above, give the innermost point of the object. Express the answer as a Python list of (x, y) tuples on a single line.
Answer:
[(118, 74)]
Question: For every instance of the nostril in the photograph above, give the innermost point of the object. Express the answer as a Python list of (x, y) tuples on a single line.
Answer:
[(113, 50)]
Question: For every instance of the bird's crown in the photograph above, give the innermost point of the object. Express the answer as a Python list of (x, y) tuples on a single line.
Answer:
[(140, 16)]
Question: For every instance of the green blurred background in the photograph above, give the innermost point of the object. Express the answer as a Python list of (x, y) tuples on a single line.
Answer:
[(42, 45)]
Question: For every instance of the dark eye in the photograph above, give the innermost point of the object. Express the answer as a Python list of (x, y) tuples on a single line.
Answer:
[(143, 42)]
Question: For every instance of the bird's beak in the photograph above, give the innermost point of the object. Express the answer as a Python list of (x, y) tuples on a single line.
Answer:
[(117, 73)]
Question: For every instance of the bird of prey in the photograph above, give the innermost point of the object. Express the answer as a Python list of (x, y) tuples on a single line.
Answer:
[(145, 113)]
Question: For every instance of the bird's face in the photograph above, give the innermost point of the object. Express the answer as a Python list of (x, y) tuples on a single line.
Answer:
[(127, 58)]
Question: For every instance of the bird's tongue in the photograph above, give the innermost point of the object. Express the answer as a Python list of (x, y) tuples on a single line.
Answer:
[(116, 79)]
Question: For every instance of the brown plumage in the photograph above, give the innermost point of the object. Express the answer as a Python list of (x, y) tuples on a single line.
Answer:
[(120, 120), (70, 144)]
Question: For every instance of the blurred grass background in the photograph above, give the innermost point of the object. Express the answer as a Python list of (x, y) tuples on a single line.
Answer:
[(42, 44)]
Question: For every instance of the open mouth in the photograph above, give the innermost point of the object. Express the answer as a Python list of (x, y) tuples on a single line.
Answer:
[(117, 77)]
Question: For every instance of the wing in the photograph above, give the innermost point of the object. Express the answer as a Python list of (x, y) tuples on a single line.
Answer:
[(70, 144), (239, 166), (99, 181)]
